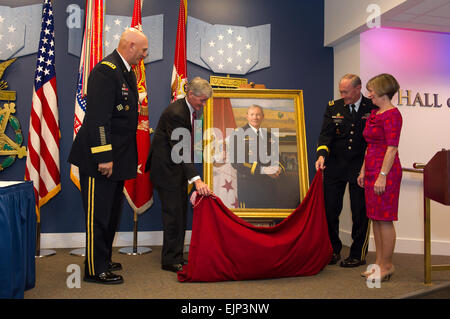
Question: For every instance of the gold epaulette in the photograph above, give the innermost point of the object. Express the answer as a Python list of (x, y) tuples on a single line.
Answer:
[(111, 65), (331, 103)]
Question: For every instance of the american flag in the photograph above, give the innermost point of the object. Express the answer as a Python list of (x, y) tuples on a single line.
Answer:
[(80, 111), (42, 166)]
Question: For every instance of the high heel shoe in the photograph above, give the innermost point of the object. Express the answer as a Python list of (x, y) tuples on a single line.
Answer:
[(387, 276), (368, 272)]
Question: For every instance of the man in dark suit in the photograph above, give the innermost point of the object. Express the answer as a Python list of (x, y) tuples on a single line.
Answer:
[(171, 171), (105, 151), (340, 153), (259, 170)]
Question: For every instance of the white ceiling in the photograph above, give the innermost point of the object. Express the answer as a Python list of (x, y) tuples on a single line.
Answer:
[(428, 15)]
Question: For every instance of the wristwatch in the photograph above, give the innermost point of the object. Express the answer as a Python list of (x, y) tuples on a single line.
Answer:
[(383, 173)]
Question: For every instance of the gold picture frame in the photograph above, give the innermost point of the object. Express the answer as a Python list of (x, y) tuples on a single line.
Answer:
[(284, 115)]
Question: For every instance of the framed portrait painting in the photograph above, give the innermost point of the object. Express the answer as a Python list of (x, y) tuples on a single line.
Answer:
[(255, 157)]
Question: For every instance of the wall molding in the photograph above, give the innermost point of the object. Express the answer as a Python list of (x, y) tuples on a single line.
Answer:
[(122, 239), (404, 245)]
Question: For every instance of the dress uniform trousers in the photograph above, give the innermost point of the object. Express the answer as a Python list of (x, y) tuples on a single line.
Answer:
[(334, 190), (342, 144), (174, 218), (102, 220)]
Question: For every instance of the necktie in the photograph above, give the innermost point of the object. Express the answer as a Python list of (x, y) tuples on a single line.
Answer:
[(353, 112), (258, 136), (194, 117)]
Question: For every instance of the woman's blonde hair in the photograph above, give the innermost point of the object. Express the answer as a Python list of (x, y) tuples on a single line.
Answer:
[(383, 84)]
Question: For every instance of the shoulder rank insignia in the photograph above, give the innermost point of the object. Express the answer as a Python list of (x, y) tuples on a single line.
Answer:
[(111, 65), (331, 103)]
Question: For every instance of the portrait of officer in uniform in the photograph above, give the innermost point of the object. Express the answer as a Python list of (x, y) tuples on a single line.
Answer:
[(340, 154), (259, 167), (105, 151)]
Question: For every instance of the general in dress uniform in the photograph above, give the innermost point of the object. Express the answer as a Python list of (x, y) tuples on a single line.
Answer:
[(340, 153), (105, 151)]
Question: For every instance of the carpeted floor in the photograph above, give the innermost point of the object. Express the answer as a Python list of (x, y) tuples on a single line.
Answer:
[(144, 279)]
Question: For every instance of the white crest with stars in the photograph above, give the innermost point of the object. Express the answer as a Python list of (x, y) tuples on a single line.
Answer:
[(229, 49), (12, 36), (152, 26), (19, 30)]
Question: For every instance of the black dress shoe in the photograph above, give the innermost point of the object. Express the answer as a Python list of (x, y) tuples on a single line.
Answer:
[(351, 262), (107, 278), (112, 266), (334, 259), (172, 267)]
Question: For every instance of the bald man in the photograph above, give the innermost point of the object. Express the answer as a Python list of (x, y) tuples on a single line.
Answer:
[(105, 151)]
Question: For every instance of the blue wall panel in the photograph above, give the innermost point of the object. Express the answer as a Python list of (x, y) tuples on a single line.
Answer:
[(298, 61)]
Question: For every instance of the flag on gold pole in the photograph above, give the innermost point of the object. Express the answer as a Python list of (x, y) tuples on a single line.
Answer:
[(42, 165), (179, 72)]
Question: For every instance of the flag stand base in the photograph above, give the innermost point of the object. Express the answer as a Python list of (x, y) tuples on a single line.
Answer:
[(80, 252), (135, 250), (44, 253), (41, 252)]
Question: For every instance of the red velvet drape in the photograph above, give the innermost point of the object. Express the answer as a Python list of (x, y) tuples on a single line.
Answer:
[(225, 247)]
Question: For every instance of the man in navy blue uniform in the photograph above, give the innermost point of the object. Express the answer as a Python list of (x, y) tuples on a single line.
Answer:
[(340, 153)]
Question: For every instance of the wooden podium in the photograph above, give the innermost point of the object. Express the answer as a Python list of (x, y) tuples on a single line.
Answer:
[(436, 186)]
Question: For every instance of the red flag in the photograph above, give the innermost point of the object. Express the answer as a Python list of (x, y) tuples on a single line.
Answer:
[(42, 166), (91, 54), (225, 177), (139, 191), (179, 73)]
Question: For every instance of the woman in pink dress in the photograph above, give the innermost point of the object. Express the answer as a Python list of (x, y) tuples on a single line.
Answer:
[(381, 172)]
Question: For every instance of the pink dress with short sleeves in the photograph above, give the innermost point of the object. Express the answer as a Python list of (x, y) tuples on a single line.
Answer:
[(382, 130)]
